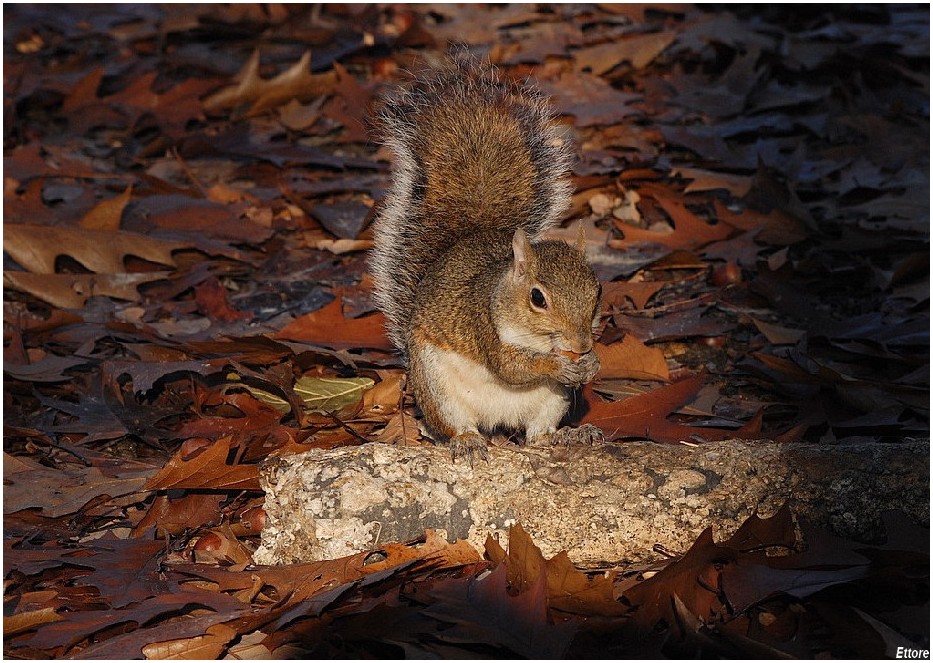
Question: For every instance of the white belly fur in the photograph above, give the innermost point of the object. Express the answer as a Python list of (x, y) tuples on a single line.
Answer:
[(470, 397)]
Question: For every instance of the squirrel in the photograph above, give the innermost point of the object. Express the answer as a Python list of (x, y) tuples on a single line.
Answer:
[(496, 323)]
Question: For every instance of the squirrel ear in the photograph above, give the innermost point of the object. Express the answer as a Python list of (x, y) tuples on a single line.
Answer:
[(580, 244), (521, 252)]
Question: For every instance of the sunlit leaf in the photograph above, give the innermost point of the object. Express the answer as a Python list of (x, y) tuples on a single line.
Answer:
[(331, 394)]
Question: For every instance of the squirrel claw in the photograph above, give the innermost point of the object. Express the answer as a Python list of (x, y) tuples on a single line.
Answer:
[(468, 444), (577, 373), (587, 434)]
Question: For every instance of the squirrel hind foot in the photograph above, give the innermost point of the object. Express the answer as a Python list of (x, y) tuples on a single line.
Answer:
[(585, 435), (468, 445), (569, 443)]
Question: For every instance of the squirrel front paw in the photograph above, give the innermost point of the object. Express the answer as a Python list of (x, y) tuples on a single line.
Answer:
[(468, 444), (575, 373)]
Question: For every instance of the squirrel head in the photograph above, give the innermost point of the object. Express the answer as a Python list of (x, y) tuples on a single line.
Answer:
[(548, 299)]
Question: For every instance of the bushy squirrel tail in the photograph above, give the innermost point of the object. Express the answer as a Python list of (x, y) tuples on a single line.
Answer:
[(472, 153)]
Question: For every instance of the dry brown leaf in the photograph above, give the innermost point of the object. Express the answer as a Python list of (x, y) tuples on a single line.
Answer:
[(71, 291), (327, 326), (640, 292), (296, 82), (777, 226), (58, 492), (778, 334), (221, 546), (630, 358), (570, 590), (639, 50), (690, 578), (297, 116), (707, 180), (690, 231), (385, 396), (84, 93), (349, 106), (341, 246), (402, 428), (590, 99), (201, 647), (525, 560), (226, 195), (645, 417), (36, 248), (212, 300), (435, 552), (173, 108), (106, 214), (208, 469), (26, 621), (189, 511)]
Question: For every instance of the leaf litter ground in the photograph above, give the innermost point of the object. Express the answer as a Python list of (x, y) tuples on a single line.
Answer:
[(186, 201)]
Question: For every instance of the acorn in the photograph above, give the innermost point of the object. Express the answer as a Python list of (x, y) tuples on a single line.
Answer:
[(210, 541), (726, 274)]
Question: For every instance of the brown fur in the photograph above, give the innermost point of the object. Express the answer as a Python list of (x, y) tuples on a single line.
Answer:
[(480, 175)]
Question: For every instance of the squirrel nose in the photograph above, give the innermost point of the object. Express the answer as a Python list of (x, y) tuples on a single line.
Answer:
[(581, 345)]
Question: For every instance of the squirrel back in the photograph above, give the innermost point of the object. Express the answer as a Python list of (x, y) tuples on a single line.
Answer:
[(472, 153)]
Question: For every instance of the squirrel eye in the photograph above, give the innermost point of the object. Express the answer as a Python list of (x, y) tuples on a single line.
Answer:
[(537, 299)]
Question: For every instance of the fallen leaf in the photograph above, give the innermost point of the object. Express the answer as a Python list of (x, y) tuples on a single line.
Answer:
[(36, 248), (630, 358), (386, 396), (707, 180), (51, 368), (572, 591), (344, 219), (615, 292), (776, 228), (204, 647), (778, 334), (106, 215), (211, 298), (591, 100), (296, 82), (331, 394), (401, 428), (175, 515), (207, 470), (27, 621), (58, 492), (645, 417), (71, 291), (693, 578), (690, 231), (327, 326), (482, 612), (639, 50)]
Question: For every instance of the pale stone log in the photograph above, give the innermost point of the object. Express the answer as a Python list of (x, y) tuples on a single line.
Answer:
[(611, 502)]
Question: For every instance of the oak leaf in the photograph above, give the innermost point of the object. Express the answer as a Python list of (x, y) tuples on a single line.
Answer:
[(207, 470), (71, 291), (296, 82), (630, 358), (36, 248), (106, 214), (645, 417), (329, 327)]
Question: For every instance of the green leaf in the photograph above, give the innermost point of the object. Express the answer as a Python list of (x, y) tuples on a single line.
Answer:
[(331, 394), (260, 395)]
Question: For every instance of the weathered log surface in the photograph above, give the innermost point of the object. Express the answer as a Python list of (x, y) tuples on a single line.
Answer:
[(611, 502)]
